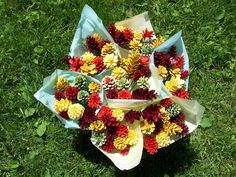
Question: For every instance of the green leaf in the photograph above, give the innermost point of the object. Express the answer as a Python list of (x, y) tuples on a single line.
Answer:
[(221, 15), (206, 123), (42, 128), (14, 164), (36, 61), (38, 49), (29, 112)]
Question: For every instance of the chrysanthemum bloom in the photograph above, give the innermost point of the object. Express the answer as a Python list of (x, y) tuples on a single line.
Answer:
[(89, 69), (166, 102), (94, 101), (110, 60), (108, 48), (124, 94), (71, 93), (132, 138), (122, 130), (132, 115), (75, 64), (61, 84), (97, 125), (118, 114), (94, 87), (181, 93), (59, 95), (118, 73), (88, 57), (174, 83), (75, 111), (147, 127), (98, 61), (120, 143), (62, 105), (158, 41), (111, 94), (150, 144), (172, 128), (162, 71), (163, 139)]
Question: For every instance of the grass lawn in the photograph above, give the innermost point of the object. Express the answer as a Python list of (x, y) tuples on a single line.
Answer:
[(35, 34)]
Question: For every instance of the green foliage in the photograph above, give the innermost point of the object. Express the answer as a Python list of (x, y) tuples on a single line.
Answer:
[(35, 34)]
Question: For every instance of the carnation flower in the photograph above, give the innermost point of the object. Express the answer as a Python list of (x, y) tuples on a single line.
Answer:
[(175, 72), (138, 36), (103, 42), (75, 111), (122, 130), (111, 94), (59, 95), (61, 83), (144, 94), (62, 105), (120, 38), (158, 127), (97, 37), (75, 64), (181, 93), (118, 114), (92, 44), (132, 115), (150, 144), (124, 94), (98, 61), (71, 93), (163, 139), (94, 101), (184, 74), (152, 113), (94, 87), (147, 127), (166, 102), (145, 71), (97, 125)]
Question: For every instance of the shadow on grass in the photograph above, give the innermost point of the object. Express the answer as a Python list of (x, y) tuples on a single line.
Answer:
[(168, 161)]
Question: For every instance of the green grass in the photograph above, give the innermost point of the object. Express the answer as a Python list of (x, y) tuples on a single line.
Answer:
[(35, 34)]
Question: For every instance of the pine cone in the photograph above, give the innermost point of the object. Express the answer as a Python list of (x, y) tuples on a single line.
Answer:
[(143, 82), (147, 49), (80, 81), (173, 110), (124, 84), (109, 83), (83, 96), (98, 139)]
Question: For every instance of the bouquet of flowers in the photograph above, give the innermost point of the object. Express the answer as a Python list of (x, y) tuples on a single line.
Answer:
[(126, 86)]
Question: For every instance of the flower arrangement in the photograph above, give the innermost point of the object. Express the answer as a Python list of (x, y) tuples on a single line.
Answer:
[(129, 89)]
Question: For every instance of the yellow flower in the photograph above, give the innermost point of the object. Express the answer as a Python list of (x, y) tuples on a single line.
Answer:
[(108, 48), (118, 73), (88, 57), (118, 114), (94, 87), (110, 60), (97, 125), (175, 72), (171, 128), (138, 36), (75, 111), (165, 115), (174, 83), (88, 69), (62, 83), (158, 41), (97, 37), (62, 105), (120, 143), (132, 138), (163, 139), (147, 128), (135, 44), (120, 28), (162, 71)]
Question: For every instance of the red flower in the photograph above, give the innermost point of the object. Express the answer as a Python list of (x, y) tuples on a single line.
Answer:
[(75, 64), (142, 71), (98, 61), (181, 93), (64, 115), (162, 59), (147, 33), (111, 94), (104, 112), (66, 59), (144, 60), (132, 115), (94, 101), (128, 33), (166, 102), (92, 44), (122, 130), (144, 94), (71, 93), (59, 95), (179, 62), (108, 146), (137, 74), (150, 144), (179, 119), (152, 113), (184, 74), (124, 94), (125, 151)]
